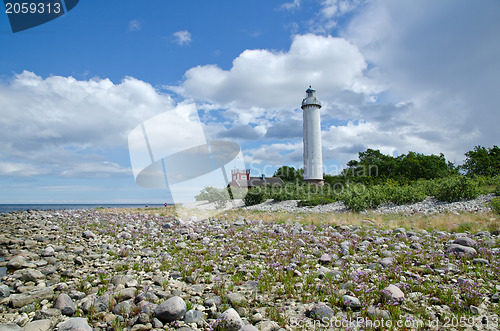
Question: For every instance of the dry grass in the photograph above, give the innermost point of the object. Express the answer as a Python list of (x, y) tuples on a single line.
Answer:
[(472, 222), (461, 222)]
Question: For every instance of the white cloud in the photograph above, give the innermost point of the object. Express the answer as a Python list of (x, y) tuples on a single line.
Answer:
[(245, 132), (134, 26), (442, 59), (182, 37), (291, 5), (20, 169), (264, 79), (60, 123), (96, 169), (334, 8), (276, 154), (406, 75)]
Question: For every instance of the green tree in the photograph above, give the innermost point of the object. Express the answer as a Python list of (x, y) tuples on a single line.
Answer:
[(414, 166), (482, 161), (289, 174), (374, 167)]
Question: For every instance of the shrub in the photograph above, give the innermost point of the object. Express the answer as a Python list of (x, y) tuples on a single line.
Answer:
[(495, 205), (218, 196), (359, 198), (315, 201), (456, 188), (355, 202), (401, 195), (254, 197), (496, 183), (212, 194), (286, 192)]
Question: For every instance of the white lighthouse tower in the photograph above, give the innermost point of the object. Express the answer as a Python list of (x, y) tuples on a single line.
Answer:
[(313, 159)]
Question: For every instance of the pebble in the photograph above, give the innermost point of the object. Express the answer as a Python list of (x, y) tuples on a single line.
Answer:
[(53, 267)]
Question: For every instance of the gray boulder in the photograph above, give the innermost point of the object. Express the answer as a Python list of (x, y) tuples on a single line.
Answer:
[(121, 279), (321, 311), (65, 304), (460, 249), (40, 325), (464, 241), (48, 251), (171, 310), (236, 299), (351, 302), (9, 327), (31, 275), (75, 324), (194, 316), (125, 294), (230, 320), (23, 299), (392, 293), (104, 302), (17, 262), (387, 261), (268, 326), (4, 291), (123, 308), (249, 327), (89, 235)]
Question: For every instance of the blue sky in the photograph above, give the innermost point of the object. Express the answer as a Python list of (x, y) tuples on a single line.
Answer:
[(397, 76)]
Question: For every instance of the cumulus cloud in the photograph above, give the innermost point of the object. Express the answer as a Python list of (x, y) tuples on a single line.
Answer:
[(285, 129), (276, 154), (246, 132), (60, 122), (268, 79), (441, 60), (182, 37)]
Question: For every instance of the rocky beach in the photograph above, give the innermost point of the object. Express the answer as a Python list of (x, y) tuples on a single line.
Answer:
[(257, 268)]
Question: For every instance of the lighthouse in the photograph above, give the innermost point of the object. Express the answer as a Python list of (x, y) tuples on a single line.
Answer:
[(313, 160)]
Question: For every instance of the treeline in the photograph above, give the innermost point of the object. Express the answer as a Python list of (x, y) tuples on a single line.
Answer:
[(374, 168), (377, 178)]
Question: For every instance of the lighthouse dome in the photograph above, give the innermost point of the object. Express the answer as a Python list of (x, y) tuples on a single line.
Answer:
[(311, 99)]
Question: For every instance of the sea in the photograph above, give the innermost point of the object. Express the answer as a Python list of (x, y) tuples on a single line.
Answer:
[(7, 208)]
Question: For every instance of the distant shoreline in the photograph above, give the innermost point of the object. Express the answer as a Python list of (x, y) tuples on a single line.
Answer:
[(13, 207)]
